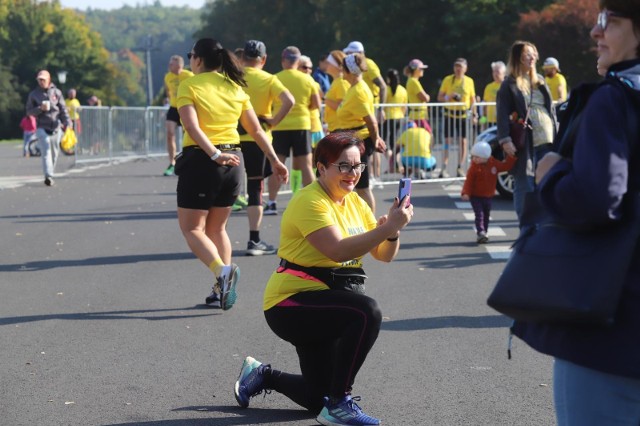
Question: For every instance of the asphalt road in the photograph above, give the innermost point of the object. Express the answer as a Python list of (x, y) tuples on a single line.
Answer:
[(101, 321)]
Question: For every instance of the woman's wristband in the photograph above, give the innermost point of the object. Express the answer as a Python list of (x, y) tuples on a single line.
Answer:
[(215, 156), (394, 238)]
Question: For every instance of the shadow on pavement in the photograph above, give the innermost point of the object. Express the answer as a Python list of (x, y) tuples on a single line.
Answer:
[(114, 315), (414, 324), (39, 265), (240, 416), (92, 217)]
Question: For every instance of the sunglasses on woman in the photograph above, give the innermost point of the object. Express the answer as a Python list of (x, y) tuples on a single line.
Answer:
[(603, 18)]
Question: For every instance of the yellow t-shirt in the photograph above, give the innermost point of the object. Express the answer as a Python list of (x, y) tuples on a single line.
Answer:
[(218, 101), (339, 87), (301, 86), (310, 210), (413, 88), (357, 103), (263, 89), (554, 83), (490, 94), (73, 105), (316, 123), (415, 142), (172, 81), (464, 87), (399, 97), (372, 73)]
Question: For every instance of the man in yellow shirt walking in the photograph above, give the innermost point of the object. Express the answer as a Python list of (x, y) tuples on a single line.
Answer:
[(172, 80), (293, 133), (555, 81), (263, 89)]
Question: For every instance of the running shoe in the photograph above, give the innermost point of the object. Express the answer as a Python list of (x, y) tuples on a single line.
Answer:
[(443, 174), (345, 412), (270, 209), (259, 248), (48, 181), (241, 201), (213, 299), (250, 381), (227, 282), (482, 237), (169, 170), (460, 172)]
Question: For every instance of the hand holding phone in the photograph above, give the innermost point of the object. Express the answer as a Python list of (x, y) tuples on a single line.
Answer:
[(404, 189)]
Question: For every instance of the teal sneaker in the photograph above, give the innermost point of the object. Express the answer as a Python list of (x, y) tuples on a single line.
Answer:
[(227, 282), (250, 381), (169, 170), (345, 412)]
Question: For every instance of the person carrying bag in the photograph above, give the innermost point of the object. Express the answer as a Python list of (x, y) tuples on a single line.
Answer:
[(589, 185)]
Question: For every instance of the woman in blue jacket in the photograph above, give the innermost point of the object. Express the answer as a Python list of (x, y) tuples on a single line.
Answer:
[(597, 369)]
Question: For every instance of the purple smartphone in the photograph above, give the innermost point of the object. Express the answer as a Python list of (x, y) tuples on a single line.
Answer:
[(404, 188)]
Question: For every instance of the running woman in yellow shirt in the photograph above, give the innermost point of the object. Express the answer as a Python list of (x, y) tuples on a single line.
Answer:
[(210, 105)]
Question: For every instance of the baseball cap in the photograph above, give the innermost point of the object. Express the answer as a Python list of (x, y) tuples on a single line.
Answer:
[(43, 74), (255, 49), (414, 64), (551, 62), (461, 61), (291, 53), (354, 47)]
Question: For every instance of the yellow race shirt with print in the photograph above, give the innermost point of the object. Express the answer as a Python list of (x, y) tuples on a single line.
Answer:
[(73, 105), (357, 103), (263, 89), (490, 95), (337, 91), (399, 97), (555, 82), (415, 142), (310, 210), (413, 88), (465, 87), (218, 102), (372, 73), (301, 86), (172, 81)]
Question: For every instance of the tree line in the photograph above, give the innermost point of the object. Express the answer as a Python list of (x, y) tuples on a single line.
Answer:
[(103, 52)]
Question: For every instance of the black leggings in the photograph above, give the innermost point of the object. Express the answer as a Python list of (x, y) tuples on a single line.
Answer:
[(333, 332)]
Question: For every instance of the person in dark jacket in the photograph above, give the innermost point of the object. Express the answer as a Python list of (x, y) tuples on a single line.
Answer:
[(524, 90), (46, 103), (597, 369)]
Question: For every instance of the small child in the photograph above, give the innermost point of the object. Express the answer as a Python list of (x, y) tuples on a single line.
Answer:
[(28, 125), (480, 184)]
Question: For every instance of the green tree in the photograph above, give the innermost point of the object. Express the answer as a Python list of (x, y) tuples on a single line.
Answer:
[(566, 20), (393, 33), (41, 35), (126, 32)]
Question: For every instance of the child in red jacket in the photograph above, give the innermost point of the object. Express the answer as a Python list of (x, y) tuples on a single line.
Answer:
[(480, 184)]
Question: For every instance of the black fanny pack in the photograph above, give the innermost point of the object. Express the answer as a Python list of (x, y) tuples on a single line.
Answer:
[(343, 279)]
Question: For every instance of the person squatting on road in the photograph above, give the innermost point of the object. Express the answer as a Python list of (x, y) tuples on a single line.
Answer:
[(326, 225)]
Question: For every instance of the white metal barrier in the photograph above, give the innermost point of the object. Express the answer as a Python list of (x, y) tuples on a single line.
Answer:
[(111, 133)]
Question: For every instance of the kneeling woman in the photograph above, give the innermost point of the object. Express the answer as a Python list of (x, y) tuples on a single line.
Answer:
[(326, 225)]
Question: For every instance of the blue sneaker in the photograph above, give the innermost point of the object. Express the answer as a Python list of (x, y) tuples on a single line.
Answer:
[(227, 282), (250, 381), (345, 412)]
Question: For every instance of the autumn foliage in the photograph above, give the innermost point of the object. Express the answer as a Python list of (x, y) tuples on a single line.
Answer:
[(562, 30)]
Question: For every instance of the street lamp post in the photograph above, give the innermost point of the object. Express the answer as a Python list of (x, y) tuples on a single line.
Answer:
[(62, 77)]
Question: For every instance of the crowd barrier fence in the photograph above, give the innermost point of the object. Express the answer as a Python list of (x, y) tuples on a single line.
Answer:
[(116, 133)]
